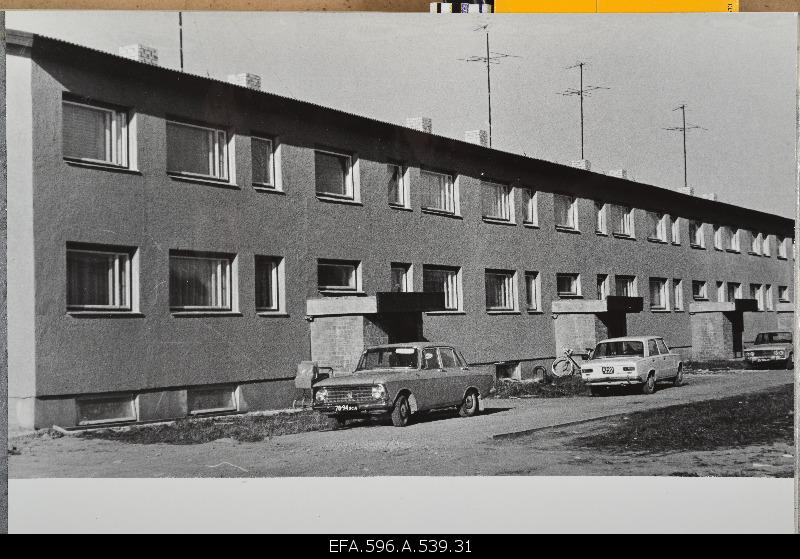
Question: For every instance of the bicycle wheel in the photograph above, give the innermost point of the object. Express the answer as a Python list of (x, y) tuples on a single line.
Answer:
[(563, 367)]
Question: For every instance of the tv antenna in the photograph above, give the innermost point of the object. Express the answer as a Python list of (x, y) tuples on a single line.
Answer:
[(489, 59), (683, 128), (581, 92)]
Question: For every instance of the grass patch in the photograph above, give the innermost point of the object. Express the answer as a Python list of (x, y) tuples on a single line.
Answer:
[(241, 428), (564, 387), (715, 365), (759, 418)]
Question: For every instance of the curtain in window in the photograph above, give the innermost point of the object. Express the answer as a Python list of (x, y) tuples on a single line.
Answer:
[(87, 132), (265, 283), (495, 201), (261, 152), (90, 279), (657, 294), (442, 281), (498, 291), (529, 201), (563, 210), (531, 296), (331, 173), (198, 282), (190, 149), (437, 191), (393, 184), (622, 220), (398, 279), (625, 286)]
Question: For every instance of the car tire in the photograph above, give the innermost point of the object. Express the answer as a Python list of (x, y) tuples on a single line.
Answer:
[(678, 380), (469, 407), (595, 391), (790, 362), (649, 385), (339, 421), (401, 414)]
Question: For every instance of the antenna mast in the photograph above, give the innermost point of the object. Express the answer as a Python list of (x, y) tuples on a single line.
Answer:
[(581, 92), (682, 129)]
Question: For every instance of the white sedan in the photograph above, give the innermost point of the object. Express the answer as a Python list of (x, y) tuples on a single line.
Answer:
[(635, 360)]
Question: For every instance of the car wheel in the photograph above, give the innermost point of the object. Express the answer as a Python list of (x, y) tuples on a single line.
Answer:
[(339, 421), (678, 380), (649, 385), (401, 414), (469, 406), (595, 391), (790, 362)]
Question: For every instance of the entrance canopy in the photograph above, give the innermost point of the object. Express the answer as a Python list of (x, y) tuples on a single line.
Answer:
[(381, 303), (595, 306)]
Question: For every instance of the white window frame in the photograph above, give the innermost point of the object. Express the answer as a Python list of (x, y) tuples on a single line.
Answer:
[(134, 407), (572, 212), (702, 295), (719, 243), (273, 165), (735, 240), (660, 233), (576, 282), (628, 222), (783, 294), (769, 304), (225, 276), (603, 287), (352, 190), (676, 230), (277, 284), (737, 291), (355, 264), (509, 278), (756, 243), (219, 158), (531, 207), (533, 292), (633, 285), (722, 294), (456, 284), (451, 194), (403, 190), (506, 199), (601, 217), (408, 275), (117, 140), (783, 253), (664, 292), (121, 281), (677, 293), (757, 293), (699, 234), (766, 247)]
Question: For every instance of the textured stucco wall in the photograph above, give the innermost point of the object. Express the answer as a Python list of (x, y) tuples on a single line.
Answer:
[(3, 277)]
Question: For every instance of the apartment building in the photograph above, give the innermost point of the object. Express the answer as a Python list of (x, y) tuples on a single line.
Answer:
[(178, 245)]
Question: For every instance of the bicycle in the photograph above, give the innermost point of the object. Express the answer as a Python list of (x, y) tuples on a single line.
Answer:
[(565, 366)]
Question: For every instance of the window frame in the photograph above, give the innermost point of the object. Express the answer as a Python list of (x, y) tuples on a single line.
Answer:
[(408, 276), (119, 147), (229, 275), (576, 281), (123, 267), (702, 294), (510, 285), (783, 252), (675, 230), (601, 217), (659, 232), (457, 281), (226, 157), (534, 295), (783, 294), (603, 287), (403, 190), (350, 182), (664, 294), (757, 293), (132, 399), (506, 198), (451, 195), (769, 302), (333, 289), (235, 400), (699, 234), (273, 164), (633, 281), (677, 294), (572, 213), (626, 217), (277, 274), (531, 203)]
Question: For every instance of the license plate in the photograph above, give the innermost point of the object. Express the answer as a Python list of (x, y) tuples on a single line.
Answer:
[(608, 370), (346, 407)]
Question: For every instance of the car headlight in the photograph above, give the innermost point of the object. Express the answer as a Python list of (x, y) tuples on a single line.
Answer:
[(378, 392), (778, 352), (749, 353), (321, 395)]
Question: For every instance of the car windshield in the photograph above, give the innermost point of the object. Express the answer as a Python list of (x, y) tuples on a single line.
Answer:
[(388, 358), (606, 350), (774, 338)]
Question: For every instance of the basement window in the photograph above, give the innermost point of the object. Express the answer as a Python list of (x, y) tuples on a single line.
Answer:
[(197, 151), (106, 409), (94, 134), (211, 400)]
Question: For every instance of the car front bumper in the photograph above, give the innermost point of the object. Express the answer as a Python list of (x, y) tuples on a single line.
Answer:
[(611, 380), (765, 359), (353, 408)]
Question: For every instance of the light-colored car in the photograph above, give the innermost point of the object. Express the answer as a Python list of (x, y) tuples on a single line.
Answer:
[(635, 360), (401, 380), (771, 348)]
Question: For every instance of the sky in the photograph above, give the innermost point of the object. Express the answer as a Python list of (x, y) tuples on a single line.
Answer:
[(735, 72)]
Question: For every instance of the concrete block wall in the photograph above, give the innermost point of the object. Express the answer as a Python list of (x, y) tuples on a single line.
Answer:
[(712, 336)]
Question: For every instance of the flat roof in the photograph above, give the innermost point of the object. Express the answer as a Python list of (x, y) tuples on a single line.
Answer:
[(587, 185)]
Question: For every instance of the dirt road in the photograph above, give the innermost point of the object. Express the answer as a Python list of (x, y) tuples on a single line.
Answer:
[(438, 445)]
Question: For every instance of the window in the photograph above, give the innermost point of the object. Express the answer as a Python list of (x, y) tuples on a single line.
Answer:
[(333, 174), (497, 201), (397, 186), (533, 294), (98, 279), (402, 278), (783, 294), (566, 211), (338, 275), (768, 298), (677, 294), (662, 347), (736, 241), (721, 291), (439, 192), (657, 226), (601, 218), (756, 242), (699, 290), (734, 291), (106, 409), (431, 358), (782, 250), (531, 204), (602, 286), (652, 348), (659, 296), (500, 291), (197, 150), (200, 282), (697, 237), (767, 246), (437, 279), (448, 357), (676, 231), (269, 280), (262, 158), (568, 285), (721, 237), (211, 400), (757, 293), (95, 134), (623, 221), (626, 286)]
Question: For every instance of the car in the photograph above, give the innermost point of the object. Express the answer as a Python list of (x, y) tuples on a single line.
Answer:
[(771, 348), (401, 380), (631, 361)]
